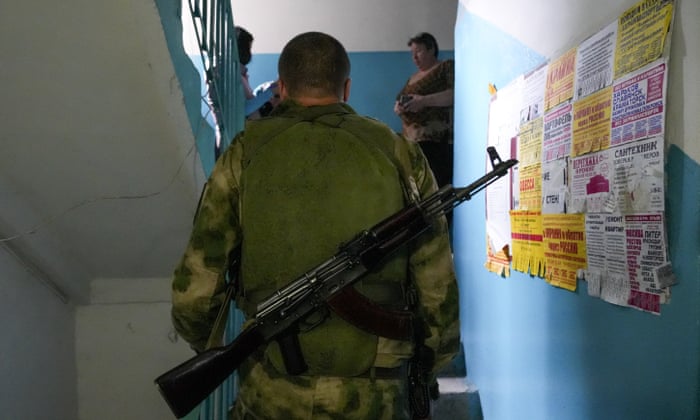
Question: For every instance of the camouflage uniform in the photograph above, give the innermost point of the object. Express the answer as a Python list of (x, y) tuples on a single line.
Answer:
[(288, 191)]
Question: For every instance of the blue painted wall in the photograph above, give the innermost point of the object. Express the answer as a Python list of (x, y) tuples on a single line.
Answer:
[(539, 352)]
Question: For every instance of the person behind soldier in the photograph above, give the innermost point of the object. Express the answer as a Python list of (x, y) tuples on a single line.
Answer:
[(286, 193), (425, 106)]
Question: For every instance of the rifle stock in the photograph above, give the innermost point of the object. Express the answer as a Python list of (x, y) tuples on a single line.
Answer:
[(188, 384)]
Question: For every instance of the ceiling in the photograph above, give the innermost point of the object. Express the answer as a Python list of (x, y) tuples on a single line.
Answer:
[(99, 177)]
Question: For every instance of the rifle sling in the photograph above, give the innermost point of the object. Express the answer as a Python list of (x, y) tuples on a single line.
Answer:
[(365, 314)]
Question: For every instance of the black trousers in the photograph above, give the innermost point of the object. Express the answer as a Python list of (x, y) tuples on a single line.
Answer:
[(441, 159)]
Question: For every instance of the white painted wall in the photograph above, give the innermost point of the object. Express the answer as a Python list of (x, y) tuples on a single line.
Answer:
[(361, 25), (552, 27), (37, 362), (124, 340)]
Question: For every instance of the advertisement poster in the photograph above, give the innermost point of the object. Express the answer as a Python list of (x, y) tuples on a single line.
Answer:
[(528, 249), (595, 252), (591, 127), (560, 80), (595, 61), (615, 284), (530, 187), (554, 186), (533, 95), (591, 183), (615, 247), (646, 251), (641, 34), (639, 176), (530, 144), (639, 104), (564, 248), (504, 124), (556, 138)]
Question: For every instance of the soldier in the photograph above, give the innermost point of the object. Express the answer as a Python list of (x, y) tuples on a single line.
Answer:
[(287, 192)]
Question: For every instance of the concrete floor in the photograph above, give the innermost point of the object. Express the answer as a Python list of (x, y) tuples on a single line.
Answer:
[(458, 401)]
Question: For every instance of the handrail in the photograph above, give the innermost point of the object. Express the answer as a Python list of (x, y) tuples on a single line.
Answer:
[(216, 37)]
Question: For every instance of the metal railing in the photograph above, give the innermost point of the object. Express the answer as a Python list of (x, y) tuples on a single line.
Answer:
[(216, 36)]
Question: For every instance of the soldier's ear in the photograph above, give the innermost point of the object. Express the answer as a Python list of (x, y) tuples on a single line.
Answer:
[(346, 89), (282, 89)]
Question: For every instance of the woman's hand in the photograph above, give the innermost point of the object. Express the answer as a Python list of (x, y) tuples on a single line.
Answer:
[(414, 103)]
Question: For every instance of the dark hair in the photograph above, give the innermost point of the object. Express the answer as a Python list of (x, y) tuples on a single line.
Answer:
[(244, 39), (314, 64), (426, 40)]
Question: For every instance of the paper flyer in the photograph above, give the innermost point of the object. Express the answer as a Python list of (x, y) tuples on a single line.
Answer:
[(555, 186), (595, 61), (641, 34), (530, 142), (646, 251), (498, 262), (639, 103), (528, 248), (615, 284), (556, 138), (560, 80), (595, 242), (591, 126), (591, 183), (564, 248), (615, 247), (504, 120), (607, 258), (530, 187), (533, 94), (504, 124), (639, 176)]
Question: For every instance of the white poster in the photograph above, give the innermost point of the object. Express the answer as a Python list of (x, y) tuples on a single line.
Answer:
[(504, 124), (533, 95), (639, 176), (554, 186), (595, 59)]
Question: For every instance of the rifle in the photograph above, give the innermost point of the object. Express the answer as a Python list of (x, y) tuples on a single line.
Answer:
[(277, 317)]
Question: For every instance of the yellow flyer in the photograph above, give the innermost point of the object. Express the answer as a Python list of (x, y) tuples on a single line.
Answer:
[(559, 86), (564, 248), (498, 261), (530, 142), (641, 34), (530, 194), (528, 249), (591, 128)]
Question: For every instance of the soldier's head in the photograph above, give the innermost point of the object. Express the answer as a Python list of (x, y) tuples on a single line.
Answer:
[(314, 69)]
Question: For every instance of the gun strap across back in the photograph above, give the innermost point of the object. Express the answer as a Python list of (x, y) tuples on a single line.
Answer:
[(367, 315)]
